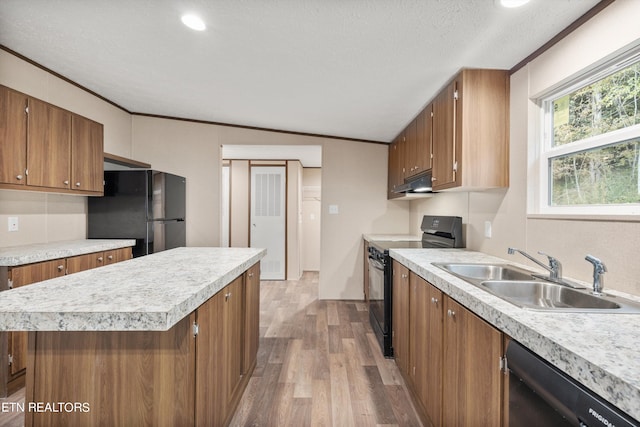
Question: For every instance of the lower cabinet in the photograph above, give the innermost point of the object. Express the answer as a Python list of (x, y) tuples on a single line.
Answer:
[(400, 316), (32, 273), (453, 363), (194, 374)]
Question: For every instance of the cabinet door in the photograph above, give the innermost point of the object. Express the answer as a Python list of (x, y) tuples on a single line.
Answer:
[(80, 263), (252, 318), (396, 164), (425, 345), (13, 136), (219, 354), (117, 255), (49, 145), (425, 139), (444, 139), (21, 276), (472, 382), (411, 149), (87, 161), (400, 316)]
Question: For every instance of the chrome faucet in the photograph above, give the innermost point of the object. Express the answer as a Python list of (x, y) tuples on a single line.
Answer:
[(598, 271), (554, 268)]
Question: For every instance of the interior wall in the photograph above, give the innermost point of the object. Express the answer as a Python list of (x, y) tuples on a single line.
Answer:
[(311, 218), (615, 242), (46, 217), (190, 150), (294, 214)]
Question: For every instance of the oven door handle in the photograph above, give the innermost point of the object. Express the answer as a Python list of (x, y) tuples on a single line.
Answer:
[(376, 264)]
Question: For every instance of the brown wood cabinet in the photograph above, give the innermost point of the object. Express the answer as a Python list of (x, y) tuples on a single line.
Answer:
[(453, 363), (418, 144), (400, 316), (471, 132), (472, 382), (191, 375), (13, 136), (87, 149), (252, 318), (425, 346), (16, 342), (396, 165), (46, 148), (21, 276)]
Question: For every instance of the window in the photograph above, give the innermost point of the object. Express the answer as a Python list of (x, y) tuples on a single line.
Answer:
[(590, 154)]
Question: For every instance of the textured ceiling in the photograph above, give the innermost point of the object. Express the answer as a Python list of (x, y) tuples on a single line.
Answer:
[(357, 69)]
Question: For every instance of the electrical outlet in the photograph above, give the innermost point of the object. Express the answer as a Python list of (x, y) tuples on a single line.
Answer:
[(13, 223), (487, 229), (333, 209)]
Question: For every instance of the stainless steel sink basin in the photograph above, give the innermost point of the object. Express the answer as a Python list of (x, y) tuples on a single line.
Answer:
[(481, 272), (545, 295), (526, 290)]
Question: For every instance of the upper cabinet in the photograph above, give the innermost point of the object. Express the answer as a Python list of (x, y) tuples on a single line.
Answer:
[(461, 136), (471, 132), (47, 148), (13, 136)]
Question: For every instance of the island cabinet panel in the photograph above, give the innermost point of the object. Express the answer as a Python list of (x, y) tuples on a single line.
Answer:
[(80, 263), (128, 378), (117, 255), (252, 318)]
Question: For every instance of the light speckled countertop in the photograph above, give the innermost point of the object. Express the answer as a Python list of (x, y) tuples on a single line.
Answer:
[(391, 237), (27, 254), (150, 293), (601, 351)]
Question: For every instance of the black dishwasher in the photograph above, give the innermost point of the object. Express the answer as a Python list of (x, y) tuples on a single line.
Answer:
[(541, 395)]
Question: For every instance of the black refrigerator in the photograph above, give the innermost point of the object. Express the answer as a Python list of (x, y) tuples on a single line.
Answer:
[(145, 205)]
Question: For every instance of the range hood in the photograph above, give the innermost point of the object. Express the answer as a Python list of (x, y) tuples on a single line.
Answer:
[(416, 185)]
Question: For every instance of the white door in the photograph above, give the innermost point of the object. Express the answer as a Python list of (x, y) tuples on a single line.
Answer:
[(268, 220)]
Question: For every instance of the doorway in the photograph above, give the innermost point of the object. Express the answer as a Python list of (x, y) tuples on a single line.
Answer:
[(268, 218)]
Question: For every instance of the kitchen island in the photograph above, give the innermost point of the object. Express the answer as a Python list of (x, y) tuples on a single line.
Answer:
[(167, 339)]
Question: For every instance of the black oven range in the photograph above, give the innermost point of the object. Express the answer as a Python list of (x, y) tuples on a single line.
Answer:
[(437, 232)]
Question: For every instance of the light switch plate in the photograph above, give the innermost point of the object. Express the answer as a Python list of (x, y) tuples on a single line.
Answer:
[(13, 223), (487, 229)]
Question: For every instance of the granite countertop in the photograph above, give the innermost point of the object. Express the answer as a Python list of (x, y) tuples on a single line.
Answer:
[(599, 350), (150, 293), (391, 237), (27, 254)]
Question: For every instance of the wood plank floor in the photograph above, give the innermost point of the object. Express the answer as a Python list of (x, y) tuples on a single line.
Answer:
[(319, 364)]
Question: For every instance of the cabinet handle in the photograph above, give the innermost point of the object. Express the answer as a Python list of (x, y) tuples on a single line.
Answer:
[(227, 296), (250, 274), (434, 300), (60, 268), (451, 313), (99, 259), (19, 177), (433, 178), (110, 257), (66, 183), (77, 184)]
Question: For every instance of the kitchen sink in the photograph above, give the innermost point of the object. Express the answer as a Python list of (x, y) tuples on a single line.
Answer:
[(482, 272), (523, 289)]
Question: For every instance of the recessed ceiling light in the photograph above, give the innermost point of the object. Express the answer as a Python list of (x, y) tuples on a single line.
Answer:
[(193, 22), (513, 3)]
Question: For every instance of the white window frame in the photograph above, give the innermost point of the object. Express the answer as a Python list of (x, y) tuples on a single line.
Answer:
[(545, 152)]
